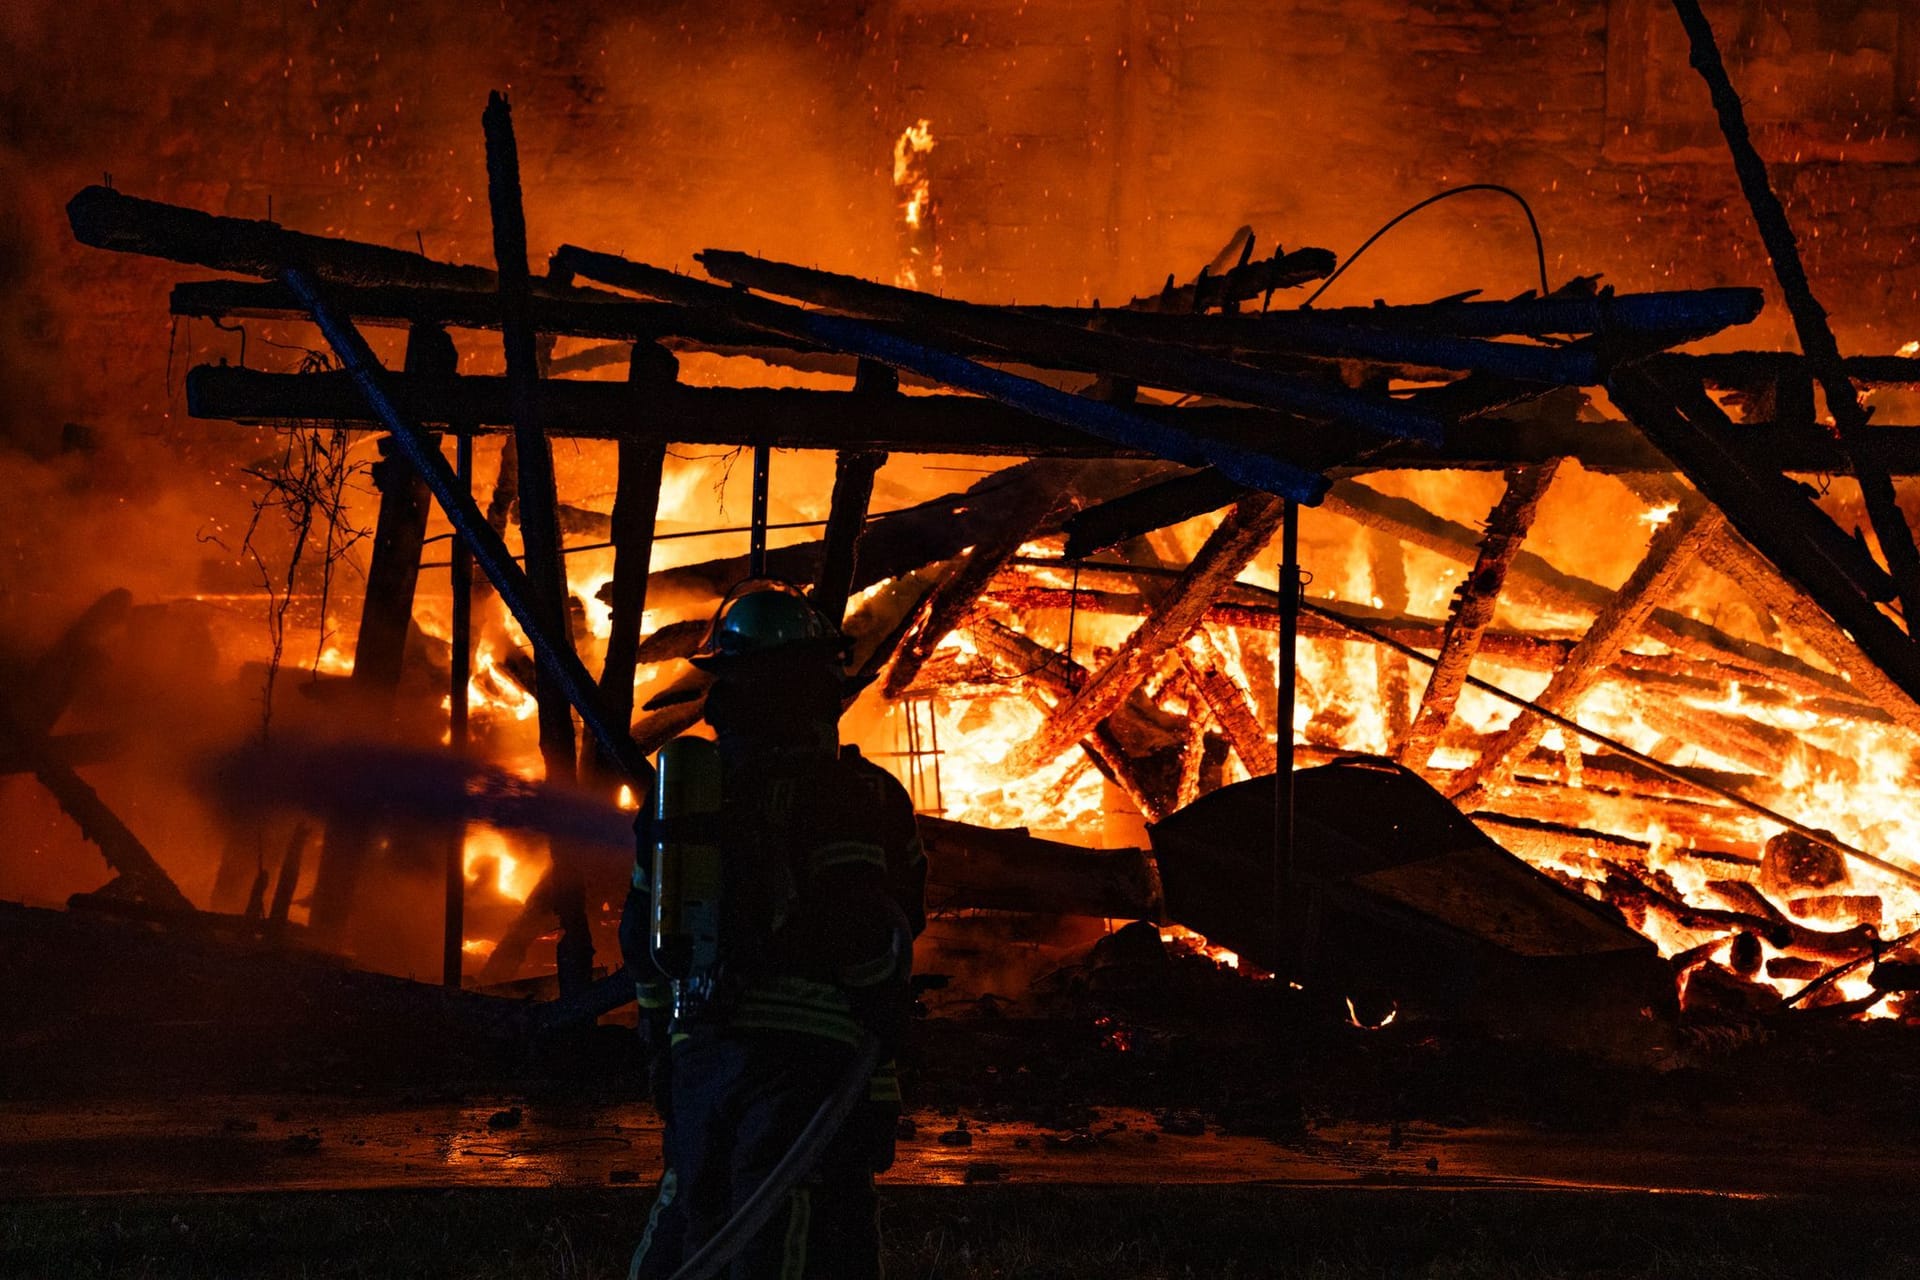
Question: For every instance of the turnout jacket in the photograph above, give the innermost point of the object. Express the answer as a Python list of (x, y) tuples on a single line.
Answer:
[(825, 882)]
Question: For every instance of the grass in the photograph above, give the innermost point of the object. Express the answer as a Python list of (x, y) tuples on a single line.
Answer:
[(974, 1233)]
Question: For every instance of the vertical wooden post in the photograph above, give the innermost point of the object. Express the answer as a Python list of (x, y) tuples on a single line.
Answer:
[(539, 516), (393, 573), (462, 675), (636, 506), (1285, 900)]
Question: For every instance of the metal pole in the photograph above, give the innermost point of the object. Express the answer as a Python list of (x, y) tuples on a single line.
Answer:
[(757, 537), (1285, 915), (462, 563)]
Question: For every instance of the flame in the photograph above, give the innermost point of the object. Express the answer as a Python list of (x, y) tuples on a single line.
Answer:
[(1909, 349), (514, 875), (1182, 939), (913, 190)]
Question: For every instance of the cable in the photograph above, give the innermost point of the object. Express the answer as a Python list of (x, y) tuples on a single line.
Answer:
[(1539, 244)]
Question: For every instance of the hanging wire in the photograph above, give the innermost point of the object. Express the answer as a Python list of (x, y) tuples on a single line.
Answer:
[(1539, 243)]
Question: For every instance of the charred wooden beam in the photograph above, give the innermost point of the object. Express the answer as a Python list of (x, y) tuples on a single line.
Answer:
[(1157, 506), (1391, 675), (950, 602), (1475, 600), (116, 841), (1672, 553), (575, 313), (636, 503), (1207, 668), (539, 522), (1747, 569), (901, 542), (1042, 342), (1060, 677), (1682, 311), (853, 472), (807, 419), (1009, 870), (1770, 512), (1809, 318), (386, 616), (1415, 524), (1257, 467), (1226, 552)]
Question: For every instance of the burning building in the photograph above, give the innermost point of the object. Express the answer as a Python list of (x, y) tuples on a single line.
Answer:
[(1004, 328)]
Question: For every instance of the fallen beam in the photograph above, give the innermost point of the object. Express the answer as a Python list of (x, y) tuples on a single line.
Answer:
[(1042, 342), (1683, 311), (841, 420), (1770, 512), (1255, 466)]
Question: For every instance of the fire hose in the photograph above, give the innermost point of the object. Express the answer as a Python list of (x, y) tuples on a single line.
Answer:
[(805, 1153)]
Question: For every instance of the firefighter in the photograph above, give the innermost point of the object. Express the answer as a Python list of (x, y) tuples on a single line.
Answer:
[(820, 893)]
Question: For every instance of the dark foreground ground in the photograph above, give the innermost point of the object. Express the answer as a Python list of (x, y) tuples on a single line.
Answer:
[(979, 1232), (174, 1107)]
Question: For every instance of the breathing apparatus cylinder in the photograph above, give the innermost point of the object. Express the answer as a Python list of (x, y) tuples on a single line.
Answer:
[(688, 883)]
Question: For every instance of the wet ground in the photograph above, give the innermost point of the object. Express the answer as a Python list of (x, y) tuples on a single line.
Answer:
[(300, 1143)]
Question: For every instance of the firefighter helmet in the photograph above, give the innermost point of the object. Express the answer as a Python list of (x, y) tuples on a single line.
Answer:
[(762, 617)]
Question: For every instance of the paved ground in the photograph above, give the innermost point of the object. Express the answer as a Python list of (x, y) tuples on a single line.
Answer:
[(318, 1143)]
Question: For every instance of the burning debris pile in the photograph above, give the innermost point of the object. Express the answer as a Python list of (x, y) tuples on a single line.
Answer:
[(1719, 747)]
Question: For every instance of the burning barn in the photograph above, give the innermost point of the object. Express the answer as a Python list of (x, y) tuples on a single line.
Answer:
[(379, 461)]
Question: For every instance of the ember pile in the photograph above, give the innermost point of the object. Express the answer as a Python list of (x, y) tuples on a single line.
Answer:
[(1720, 745)]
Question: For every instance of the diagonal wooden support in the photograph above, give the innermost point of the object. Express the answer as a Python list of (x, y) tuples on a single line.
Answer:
[(1207, 669), (1475, 601), (1673, 551), (949, 603), (1051, 679), (34, 705), (1809, 318), (1413, 523), (1753, 573), (1232, 545), (1770, 511)]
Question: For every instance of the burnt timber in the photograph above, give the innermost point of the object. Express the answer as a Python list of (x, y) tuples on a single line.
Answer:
[(843, 420)]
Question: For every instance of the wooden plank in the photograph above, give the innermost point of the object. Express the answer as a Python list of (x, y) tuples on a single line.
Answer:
[(1475, 600), (539, 521)]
